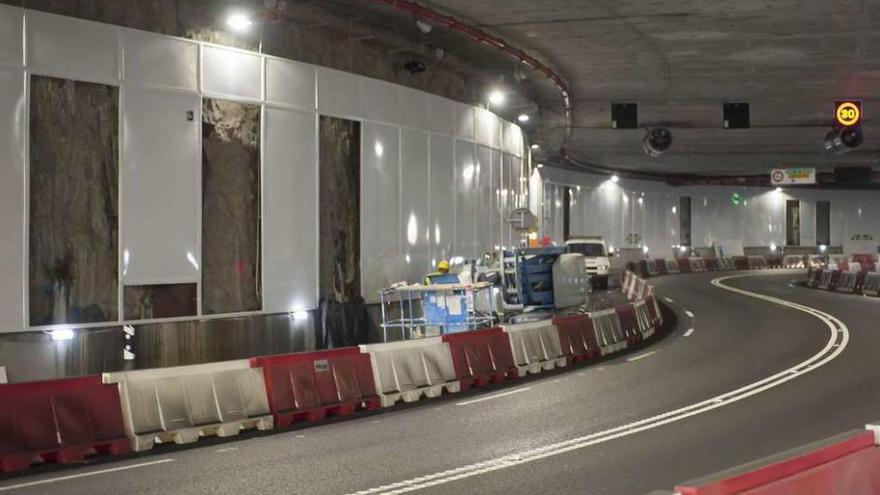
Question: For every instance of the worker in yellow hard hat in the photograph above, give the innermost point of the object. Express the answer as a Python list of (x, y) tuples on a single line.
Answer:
[(441, 276)]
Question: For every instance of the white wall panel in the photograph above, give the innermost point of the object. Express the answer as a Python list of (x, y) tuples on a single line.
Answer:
[(442, 196), (72, 48), (466, 208), (160, 60), (488, 129), (379, 100), (290, 202), (464, 121), (413, 108), (441, 113), (338, 93), (290, 83), (512, 138), (415, 233), (380, 208), (12, 204), (11, 22), (486, 215), (232, 72), (159, 204)]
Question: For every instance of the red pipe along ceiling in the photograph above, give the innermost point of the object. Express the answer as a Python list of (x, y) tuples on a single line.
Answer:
[(436, 18)]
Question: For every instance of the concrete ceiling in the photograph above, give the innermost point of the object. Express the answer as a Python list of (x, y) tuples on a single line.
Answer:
[(680, 60)]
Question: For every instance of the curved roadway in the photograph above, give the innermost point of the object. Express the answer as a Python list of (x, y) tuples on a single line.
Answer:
[(556, 433)]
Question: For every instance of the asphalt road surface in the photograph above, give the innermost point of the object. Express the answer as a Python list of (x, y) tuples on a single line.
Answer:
[(598, 429)]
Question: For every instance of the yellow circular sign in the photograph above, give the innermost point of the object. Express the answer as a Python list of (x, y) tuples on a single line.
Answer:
[(848, 113)]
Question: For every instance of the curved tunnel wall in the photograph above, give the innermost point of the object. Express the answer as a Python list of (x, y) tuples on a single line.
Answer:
[(428, 164)]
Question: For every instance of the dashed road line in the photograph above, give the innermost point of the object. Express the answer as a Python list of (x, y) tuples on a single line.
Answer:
[(641, 356), (689, 332), (493, 396), (688, 312), (670, 301)]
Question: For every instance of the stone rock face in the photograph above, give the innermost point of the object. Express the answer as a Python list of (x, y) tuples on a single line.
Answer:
[(230, 207), (74, 170), (339, 207)]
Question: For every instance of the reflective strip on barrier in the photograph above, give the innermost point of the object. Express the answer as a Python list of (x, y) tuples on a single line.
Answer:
[(481, 356), (577, 337), (59, 421), (308, 386), (411, 369), (182, 403), (609, 333), (535, 346)]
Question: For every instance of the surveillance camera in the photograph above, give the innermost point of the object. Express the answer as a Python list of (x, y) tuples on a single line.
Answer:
[(415, 66), (657, 141), (843, 140)]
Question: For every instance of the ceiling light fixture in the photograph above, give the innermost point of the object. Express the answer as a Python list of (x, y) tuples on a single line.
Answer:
[(535, 146), (238, 22), (523, 118), (496, 98), (615, 179)]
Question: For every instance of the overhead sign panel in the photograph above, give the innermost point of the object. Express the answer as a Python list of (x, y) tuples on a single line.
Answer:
[(848, 113), (793, 176)]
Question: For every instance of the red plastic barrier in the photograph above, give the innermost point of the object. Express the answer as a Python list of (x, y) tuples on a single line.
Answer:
[(577, 337), (740, 263), (312, 385), (855, 474), (627, 316), (684, 265), (660, 265), (787, 476), (866, 261), (59, 421), (481, 356), (652, 311), (712, 264)]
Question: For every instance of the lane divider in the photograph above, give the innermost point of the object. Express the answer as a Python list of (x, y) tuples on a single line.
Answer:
[(837, 342)]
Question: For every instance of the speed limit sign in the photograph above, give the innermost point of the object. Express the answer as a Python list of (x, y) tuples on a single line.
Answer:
[(848, 113)]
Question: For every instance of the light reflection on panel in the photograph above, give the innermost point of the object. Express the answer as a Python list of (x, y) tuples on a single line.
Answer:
[(151, 59), (231, 72), (485, 213), (466, 182), (442, 197), (290, 212), (159, 174), (379, 100), (380, 261), (464, 121), (72, 48), (11, 199), (10, 35), (291, 83), (488, 130), (414, 229)]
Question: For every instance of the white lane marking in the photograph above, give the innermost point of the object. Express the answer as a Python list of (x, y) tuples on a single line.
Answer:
[(791, 285), (641, 356), (670, 301), (83, 475), (493, 396), (688, 312), (228, 449), (689, 332), (814, 362)]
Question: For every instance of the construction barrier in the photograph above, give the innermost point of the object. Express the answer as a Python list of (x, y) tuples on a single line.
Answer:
[(577, 337), (481, 357), (813, 276), (535, 346), (845, 464), (308, 386), (871, 285), (412, 369), (697, 264), (654, 311), (627, 317), (684, 265), (609, 332), (183, 403), (653, 269), (756, 262), (847, 281), (866, 261), (672, 265), (740, 263), (660, 266), (712, 264), (59, 421), (645, 324), (827, 279), (727, 264)]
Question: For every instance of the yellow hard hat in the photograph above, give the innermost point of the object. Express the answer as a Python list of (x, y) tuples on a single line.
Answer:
[(443, 266)]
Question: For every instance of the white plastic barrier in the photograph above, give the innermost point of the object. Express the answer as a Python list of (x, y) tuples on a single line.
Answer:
[(855, 266), (411, 369), (652, 268), (182, 403), (726, 264), (698, 264), (871, 286), (609, 332), (643, 319), (535, 346), (636, 288), (757, 262), (626, 285), (658, 312), (672, 265), (846, 281), (825, 279)]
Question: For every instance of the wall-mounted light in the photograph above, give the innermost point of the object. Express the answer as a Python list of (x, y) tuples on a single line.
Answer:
[(540, 165), (615, 179), (773, 247), (535, 146), (683, 249), (645, 249), (496, 98), (300, 315), (62, 334), (238, 22), (823, 248), (523, 118)]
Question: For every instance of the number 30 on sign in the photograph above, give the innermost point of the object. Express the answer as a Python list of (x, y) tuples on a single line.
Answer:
[(848, 113)]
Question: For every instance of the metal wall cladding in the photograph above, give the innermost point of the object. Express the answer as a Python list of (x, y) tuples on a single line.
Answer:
[(414, 202), (379, 100), (11, 22), (442, 194), (230, 72), (441, 113), (160, 60), (380, 208), (338, 93), (488, 129), (290, 83), (290, 216), (486, 214), (465, 201), (12, 206), (71, 48), (414, 108), (160, 171), (464, 122)]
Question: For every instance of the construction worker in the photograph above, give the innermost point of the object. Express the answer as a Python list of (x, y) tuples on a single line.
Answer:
[(441, 276)]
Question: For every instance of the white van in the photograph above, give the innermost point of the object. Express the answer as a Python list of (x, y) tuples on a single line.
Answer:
[(595, 257)]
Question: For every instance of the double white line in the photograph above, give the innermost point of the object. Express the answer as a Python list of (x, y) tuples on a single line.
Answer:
[(837, 341)]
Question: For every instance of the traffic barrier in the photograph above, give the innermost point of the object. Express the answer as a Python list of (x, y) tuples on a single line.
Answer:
[(609, 332), (626, 315), (697, 264), (827, 279), (684, 265), (866, 261), (653, 270), (871, 285), (756, 262), (480, 357), (577, 337), (308, 386), (183, 403), (727, 264), (793, 261), (712, 264), (672, 265), (535, 346), (654, 311), (740, 263), (59, 421), (644, 321), (660, 266), (845, 464), (853, 266), (627, 282), (643, 270), (813, 276), (411, 369), (847, 281)]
